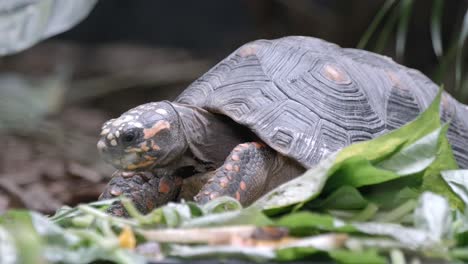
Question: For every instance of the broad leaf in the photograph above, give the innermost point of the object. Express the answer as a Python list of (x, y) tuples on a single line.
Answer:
[(413, 158), (248, 216), (432, 179), (298, 190), (458, 182), (433, 215), (345, 197)]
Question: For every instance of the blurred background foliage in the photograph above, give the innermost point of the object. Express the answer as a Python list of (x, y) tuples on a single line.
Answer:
[(55, 94)]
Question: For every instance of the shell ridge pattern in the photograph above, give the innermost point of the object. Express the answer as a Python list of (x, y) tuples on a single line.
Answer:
[(327, 97), (306, 97)]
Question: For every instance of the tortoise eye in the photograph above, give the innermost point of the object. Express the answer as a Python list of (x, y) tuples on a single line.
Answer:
[(129, 136)]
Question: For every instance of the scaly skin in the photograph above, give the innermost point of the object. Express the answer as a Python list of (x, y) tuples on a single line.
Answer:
[(145, 190), (242, 176)]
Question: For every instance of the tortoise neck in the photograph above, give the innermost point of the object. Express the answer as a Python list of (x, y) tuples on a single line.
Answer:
[(210, 137)]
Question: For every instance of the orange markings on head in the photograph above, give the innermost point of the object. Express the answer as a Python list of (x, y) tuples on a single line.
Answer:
[(243, 186), (164, 186), (235, 157), (238, 196), (160, 125), (144, 146)]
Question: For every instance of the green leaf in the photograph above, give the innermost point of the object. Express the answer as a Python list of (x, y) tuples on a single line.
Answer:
[(413, 158), (432, 179), (308, 246), (366, 213), (248, 216), (298, 190), (398, 213), (433, 215), (375, 23), (357, 257), (410, 237), (458, 182), (222, 252), (460, 45), (416, 157), (330, 244), (8, 251), (295, 253), (382, 147), (436, 36), (406, 7), (306, 223), (27, 241), (345, 197), (392, 194), (222, 204), (387, 29), (64, 214)]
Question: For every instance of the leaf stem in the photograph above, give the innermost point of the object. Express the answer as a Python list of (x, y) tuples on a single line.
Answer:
[(102, 215), (366, 214), (398, 213)]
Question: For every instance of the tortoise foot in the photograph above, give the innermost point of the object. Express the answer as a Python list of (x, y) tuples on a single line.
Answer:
[(242, 175)]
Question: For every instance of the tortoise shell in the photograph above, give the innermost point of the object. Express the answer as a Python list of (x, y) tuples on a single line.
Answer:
[(306, 97)]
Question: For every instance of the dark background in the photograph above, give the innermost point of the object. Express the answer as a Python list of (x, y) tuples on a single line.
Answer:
[(129, 52)]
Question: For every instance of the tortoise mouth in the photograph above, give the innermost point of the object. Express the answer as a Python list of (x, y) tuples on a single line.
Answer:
[(133, 162), (128, 161)]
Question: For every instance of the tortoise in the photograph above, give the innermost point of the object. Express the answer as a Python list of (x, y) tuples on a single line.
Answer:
[(271, 110)]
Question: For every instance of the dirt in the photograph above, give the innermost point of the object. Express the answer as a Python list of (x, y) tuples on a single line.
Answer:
[(55, 165)]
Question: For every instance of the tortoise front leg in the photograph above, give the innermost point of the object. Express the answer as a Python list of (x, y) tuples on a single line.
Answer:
[(145, 189), (242, 176)]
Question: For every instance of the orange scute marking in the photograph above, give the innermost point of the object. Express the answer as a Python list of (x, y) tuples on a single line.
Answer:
[(335, 74), (248, 50), (237, 196), (160, 125)]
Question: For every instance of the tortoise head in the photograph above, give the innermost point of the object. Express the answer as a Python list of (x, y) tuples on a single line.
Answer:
[(145, 137)]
